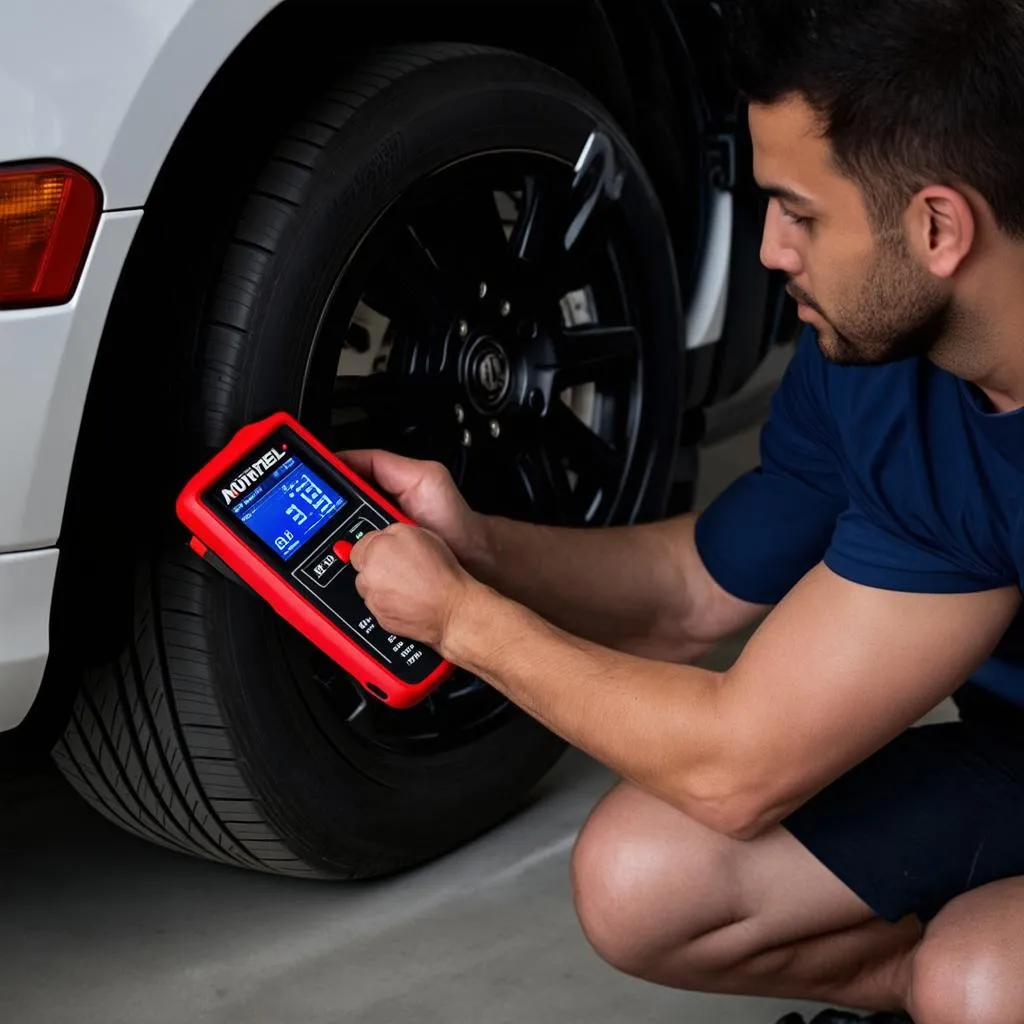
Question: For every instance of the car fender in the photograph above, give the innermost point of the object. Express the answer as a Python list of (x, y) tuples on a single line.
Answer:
[(106, 85)]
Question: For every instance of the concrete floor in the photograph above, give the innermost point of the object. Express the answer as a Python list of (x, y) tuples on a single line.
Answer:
[(99, 928)]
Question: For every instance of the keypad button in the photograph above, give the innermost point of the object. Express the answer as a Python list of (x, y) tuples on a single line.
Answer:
[(358, 529), (322, 571)]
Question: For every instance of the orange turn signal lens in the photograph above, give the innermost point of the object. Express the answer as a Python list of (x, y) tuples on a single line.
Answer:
[(48, 215)]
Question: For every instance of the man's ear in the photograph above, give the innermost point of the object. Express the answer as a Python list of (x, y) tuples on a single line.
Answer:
[(942, 228)]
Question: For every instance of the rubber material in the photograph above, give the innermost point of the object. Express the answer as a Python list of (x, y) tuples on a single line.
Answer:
[(197, 737), (148, 748)]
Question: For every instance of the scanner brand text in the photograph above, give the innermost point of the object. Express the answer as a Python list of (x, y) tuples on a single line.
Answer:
[(251, 476)]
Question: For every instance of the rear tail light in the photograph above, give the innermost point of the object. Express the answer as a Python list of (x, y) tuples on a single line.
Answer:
[(48, 214)]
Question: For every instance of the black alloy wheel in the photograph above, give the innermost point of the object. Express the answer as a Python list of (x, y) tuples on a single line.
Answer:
[(466, 329)]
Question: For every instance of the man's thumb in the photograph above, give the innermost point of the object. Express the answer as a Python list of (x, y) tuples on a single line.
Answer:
[(390, 472), (357, 556)]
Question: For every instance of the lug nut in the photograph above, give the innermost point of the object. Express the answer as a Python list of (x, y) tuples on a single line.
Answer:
[(506, 308), (495, 428), (483, 289), (467, 439), (460, 414), (463, 328)]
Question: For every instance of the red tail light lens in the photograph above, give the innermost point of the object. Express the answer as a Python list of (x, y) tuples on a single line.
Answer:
[(48, 215)]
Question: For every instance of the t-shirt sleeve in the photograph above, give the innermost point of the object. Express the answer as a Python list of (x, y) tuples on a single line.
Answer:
[(869, 551), (775, 523)]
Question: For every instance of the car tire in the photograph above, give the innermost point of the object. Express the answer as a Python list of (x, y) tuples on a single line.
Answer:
[(219, 731)]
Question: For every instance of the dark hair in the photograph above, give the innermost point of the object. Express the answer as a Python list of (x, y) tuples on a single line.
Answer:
[(909, 92)]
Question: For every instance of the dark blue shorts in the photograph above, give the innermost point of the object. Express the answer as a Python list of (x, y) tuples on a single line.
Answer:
[(938, 812)]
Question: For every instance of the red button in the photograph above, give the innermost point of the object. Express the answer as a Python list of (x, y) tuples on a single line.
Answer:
[(343, 549)]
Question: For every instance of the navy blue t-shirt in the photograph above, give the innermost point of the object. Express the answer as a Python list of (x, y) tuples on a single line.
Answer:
[(897, 477)]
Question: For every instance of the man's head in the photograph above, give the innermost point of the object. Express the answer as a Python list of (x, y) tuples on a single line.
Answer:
[(890, 137)]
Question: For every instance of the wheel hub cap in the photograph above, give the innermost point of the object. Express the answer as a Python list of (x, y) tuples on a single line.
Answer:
[(488, 374)]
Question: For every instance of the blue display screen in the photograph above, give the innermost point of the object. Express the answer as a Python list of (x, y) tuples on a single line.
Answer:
[(288, 506)]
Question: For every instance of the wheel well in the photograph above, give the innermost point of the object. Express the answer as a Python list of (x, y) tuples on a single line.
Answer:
[(142, 372)]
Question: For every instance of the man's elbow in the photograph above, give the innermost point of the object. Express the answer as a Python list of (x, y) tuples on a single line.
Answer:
[(741, 821), (746, 827), (734, 808)]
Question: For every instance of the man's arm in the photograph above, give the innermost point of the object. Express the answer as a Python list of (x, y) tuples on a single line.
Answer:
[(642, 589), (639, 589), (834, 673), (670, 590), (653, 590)]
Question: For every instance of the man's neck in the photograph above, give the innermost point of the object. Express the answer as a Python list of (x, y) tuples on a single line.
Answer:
[(985, 345), (1002, 385)]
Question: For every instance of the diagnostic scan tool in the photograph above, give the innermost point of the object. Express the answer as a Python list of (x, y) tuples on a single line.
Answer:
[(279, 512)]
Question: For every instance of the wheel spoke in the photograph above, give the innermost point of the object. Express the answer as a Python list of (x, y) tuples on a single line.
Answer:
[(348, 430), (355, 434), (398, 404), (463, 233), (537, 236), (410, 289), (441, 714), (538, 240), (434, 439), (389, 394), (590, 456), (585, 354), (489, 480), (598, 182), (546, 485)]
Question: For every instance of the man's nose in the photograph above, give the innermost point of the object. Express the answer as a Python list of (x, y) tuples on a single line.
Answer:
[(776, 252)]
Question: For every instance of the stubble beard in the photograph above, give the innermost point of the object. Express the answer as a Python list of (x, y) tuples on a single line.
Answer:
[(898, 313)]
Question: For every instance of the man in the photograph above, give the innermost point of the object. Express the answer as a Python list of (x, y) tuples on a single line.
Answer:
[(783, 828)]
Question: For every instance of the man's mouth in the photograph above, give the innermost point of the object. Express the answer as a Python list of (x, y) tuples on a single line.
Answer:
[(800, 295), (805, 303)]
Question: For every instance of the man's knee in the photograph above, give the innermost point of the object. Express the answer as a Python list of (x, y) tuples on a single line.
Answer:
[(966, 974), (611, 875), (647, 882)]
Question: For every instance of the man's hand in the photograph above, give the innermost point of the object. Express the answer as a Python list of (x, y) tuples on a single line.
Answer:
[(641, 589), (410, 581), (426, 493)]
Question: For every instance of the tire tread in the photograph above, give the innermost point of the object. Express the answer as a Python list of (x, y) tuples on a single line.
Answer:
[(147, 746)]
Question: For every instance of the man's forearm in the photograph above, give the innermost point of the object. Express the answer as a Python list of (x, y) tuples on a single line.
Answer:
[(659, 725), (624, 588)]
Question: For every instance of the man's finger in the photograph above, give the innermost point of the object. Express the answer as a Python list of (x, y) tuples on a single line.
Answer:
[(394, 473)]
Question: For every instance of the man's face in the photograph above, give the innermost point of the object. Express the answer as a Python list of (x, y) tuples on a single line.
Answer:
[(870, 300)]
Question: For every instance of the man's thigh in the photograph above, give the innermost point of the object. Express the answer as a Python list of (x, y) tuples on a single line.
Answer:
[(647, 877), (935, 814)]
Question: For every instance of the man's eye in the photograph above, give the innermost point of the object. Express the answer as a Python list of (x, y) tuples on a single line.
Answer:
[(800, 222)]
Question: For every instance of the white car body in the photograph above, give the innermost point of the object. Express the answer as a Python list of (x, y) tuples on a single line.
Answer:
[(106, 85)]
